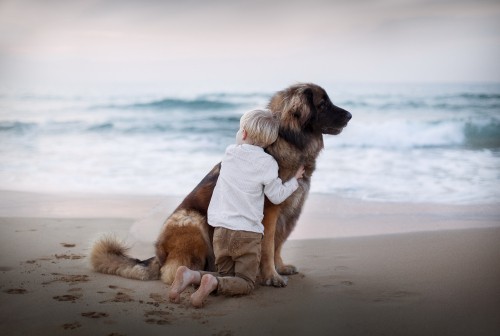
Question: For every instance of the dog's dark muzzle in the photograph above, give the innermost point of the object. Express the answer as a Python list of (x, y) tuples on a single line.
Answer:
[(336, 124), (345, 116)]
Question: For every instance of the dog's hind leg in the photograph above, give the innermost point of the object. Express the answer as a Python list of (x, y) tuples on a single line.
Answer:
[(183, 242), (194, 260)]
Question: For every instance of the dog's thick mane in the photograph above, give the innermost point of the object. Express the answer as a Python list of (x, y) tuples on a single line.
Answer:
[(300, 140)]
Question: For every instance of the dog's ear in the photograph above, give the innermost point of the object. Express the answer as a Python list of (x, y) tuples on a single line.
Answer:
[(308, 110), (297, 106), (308, 93)]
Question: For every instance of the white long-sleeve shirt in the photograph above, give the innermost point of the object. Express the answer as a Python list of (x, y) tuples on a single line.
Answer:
[(247, 173)]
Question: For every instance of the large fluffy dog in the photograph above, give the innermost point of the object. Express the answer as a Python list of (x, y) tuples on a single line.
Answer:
[(305, 113)]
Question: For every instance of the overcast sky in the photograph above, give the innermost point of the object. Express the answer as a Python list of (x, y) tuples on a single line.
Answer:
[(249, 44)]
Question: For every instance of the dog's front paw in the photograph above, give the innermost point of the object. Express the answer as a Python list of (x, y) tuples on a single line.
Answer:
[(287, 270), (275, 280)]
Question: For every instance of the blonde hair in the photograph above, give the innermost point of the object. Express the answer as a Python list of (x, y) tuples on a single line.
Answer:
[(261, 126)]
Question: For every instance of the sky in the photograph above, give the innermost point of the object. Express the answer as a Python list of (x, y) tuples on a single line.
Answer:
[(250, 45)]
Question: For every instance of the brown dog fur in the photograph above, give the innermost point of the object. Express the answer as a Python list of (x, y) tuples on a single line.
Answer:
[(305, 113)]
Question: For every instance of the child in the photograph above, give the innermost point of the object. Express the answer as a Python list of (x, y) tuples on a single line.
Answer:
[(236, 211)]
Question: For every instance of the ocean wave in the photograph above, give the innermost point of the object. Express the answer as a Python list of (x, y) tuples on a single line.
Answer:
[(217, 123), (405, 106), (479, 136), (393, 133), (480, 96), (407, 134), (438, 102), (234, 95), (177, 104), (101, 127), (16, 126)]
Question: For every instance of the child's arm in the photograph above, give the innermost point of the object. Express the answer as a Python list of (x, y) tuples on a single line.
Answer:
[(277, 191)]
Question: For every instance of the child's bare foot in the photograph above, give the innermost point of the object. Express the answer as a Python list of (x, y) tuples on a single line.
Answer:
[(208, 284), (183, 278)]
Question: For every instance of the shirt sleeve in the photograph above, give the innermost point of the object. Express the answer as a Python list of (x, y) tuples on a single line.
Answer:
[(276, 190)]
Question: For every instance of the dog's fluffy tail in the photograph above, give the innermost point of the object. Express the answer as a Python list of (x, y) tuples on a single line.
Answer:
[(109, 256)]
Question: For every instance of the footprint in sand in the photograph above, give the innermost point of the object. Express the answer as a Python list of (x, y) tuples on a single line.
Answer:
[(69, 256), (395, 296), (123, 289), (68, 278), (347, 283), (155, 321), (67, 297), (71, 326), (68, 245), (35, 261), (120, 297), (16, 291), (157, 300), (158, 297), (95, 315), (157, 317)]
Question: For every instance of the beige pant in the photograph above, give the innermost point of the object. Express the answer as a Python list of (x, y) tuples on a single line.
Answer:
[(237, 257)]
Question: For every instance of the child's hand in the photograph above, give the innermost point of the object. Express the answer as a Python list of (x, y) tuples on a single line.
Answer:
[(300, 172)]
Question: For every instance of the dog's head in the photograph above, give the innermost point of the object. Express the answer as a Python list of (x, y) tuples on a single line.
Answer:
[(306, 107)]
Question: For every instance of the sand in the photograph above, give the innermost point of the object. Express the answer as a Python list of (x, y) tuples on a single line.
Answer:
[(366, 268)]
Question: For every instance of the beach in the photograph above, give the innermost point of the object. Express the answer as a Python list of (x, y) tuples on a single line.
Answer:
[(365, 268), (112, 112)]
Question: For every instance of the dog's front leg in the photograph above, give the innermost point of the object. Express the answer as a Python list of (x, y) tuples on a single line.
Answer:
[(280, 265), (268, 274)]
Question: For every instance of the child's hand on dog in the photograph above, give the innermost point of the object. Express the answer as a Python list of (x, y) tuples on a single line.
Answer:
[(300, 172)]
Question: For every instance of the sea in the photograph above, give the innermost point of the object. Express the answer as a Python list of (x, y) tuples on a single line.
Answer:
[(418, 143)]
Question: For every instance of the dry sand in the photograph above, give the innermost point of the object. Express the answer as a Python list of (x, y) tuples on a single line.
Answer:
[(380, 269)]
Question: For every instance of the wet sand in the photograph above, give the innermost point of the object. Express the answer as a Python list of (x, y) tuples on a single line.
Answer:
[(366, 268)]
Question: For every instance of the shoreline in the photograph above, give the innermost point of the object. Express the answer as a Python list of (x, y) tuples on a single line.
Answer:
[(329, 216)]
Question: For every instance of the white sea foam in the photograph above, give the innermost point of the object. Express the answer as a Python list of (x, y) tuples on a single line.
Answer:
[(401, 134)]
